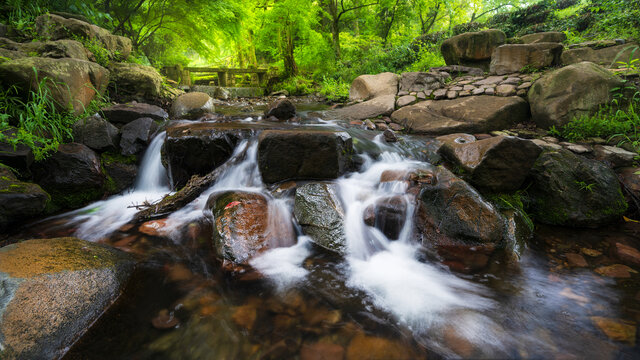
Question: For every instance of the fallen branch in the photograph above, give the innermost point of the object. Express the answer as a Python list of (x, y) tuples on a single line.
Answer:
[(194, 187)]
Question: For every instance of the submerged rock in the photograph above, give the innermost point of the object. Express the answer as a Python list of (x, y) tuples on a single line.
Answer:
[(303, 154), (366, 87), (320, 214), (244, 226), (53, 290), (571, 190), (19, 200), (570, 92), (497, 164), (192, 106), (473, 114), (388, 215), (282, 109)]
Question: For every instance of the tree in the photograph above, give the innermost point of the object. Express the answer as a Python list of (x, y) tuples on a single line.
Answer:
[(335, 10)]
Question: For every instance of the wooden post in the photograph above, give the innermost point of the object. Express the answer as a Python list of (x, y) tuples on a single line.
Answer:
[(261, 77), (231, 79), (222, 79), (186, 78)]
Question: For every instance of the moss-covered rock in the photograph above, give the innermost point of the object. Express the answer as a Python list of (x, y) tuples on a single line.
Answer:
[(135, 82), (53, 290), (571, 190), (19, 200)]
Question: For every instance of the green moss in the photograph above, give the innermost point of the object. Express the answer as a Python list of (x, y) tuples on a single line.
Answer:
[(75, 199), (112, 157)]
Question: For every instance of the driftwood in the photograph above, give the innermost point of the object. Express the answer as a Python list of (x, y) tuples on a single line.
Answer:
[(194, 187)]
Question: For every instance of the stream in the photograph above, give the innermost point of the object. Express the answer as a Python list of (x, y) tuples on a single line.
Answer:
[(384, 299)]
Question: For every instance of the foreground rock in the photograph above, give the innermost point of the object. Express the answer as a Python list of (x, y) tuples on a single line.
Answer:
[(281, 109), (196, 149), (72, 83), (473, 48), (137, 135), (378, 106), (134, 82), (571, 92), (192, 106), (507, 59), (53, 290), (388, 215), (126, 113), (497, 164), (366, 87), (96, 133), (307, 154), (19, 200), (474, 114), (320, 214), (72, 175), (244, 226), (571, 190), (544, 37)]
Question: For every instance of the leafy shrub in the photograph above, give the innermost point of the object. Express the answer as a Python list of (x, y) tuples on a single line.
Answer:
[(334, 89)]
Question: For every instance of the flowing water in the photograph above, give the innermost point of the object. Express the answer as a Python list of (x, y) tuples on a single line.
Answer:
[(384, 297)]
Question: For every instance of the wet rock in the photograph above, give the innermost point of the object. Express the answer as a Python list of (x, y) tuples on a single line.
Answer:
[(618, 330), (154, 227), (55, 27), (96, 133), (20, 158), (366, 87), (196, 149), (421, 81), (451, 211), (630, 180), (320, 214), (614, 156), (72, 175), (192, 105), (126, 113), (283, 109), (369, 125), (576, 260), (364, 347), (321, 351), (165, 320), (473, 48), (390, 136), (544, 37), (245, 226), (578, 149), (121, 171), (627, 254), (474, 114), (388, 215), (497, 164), (601, 56), (131, 81), (19, 200), (54, 289), (378, 106), (617, 271), (303, 154), (512, 58), (137, 135), (571, 190), (72, 83), (570, 92)]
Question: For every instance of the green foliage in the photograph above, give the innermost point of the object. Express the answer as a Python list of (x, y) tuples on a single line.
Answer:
[(516, 202), (296, 85), (334, 89), (583, 186), (102, 55)]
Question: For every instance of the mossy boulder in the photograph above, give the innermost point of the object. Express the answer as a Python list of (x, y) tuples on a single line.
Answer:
[(72, 83), (571, 92), (571, 190), (53, 290), (135, 82), (121, 171), (19, 200)]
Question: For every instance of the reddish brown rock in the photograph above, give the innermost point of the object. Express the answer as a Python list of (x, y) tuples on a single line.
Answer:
[(627, 254), (617, 330), (321, 351), (576, 260), (616, 271), (153, 227), (364, 347)]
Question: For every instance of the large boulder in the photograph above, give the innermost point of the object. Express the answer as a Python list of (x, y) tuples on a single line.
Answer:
[(473, 114), (72, 83), (378, 106), (55, 49), (544, 37), (497, 164), (96, 133), (321, 215), (135, 82), (571, 190), (244, 225), (473, 48), (608, 56), (55, 27), (19, 200), (282, 109), (121, 171), (511, 58), (72, 175), (53, 290), (421, 81), (571, 92), (192, 105), (126, 113), (137, 135), (366, 87), (303, 154), (196, 149)]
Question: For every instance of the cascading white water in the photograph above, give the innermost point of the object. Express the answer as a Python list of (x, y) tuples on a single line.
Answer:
[(102, 218)]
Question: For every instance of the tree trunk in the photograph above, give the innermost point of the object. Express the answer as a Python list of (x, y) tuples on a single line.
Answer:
[(335, 36), (290, 67)]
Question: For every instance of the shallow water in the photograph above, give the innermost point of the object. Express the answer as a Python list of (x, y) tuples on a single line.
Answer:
[(383, 295)]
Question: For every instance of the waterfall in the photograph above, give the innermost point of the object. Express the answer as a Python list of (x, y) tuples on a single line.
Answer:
[(152, 176)]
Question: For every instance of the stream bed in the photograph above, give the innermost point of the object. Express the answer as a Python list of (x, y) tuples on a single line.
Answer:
[(384, 299)]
